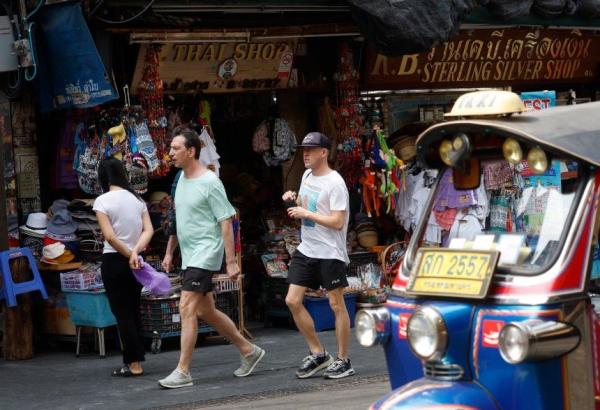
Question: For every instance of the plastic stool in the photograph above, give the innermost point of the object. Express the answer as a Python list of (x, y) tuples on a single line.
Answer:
[(10, 289)]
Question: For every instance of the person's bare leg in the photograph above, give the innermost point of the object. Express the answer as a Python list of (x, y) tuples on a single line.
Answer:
[(304, 322), (222, 323), (342, 321), (188, 306)]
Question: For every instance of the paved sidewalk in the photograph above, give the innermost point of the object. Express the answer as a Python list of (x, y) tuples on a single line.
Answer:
[(61, 381)]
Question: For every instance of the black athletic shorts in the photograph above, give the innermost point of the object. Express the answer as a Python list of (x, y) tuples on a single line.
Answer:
[(312, 273), (197, 280)]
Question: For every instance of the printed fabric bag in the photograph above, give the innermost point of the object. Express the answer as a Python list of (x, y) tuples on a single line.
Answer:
[(137, 172), (146, 145), (260, 139), (88, 171)]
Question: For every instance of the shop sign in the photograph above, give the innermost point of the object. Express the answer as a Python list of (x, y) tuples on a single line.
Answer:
[(487, 57), (538, 100), (221, 67)]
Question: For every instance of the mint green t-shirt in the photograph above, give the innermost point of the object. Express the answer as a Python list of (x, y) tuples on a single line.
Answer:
[(200, 205)]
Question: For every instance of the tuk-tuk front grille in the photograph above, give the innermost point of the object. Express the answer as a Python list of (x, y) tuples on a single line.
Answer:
[(441, 371)]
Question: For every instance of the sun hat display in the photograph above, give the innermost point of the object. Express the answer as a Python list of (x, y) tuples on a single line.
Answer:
[(56, 205), (368, 238), (61, 223), (35, 225), (406, 148)]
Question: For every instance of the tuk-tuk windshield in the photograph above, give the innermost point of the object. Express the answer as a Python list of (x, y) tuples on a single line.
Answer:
[(514, 210)]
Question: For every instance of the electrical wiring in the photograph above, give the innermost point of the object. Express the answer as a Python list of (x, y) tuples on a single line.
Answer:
[(12, 89), (96, 8), (146, 8), (34, 59), (37, 8)]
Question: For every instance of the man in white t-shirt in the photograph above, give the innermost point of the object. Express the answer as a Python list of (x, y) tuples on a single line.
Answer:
[(321, 258)]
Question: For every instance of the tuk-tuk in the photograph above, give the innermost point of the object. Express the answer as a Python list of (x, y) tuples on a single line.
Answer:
[(499, 312)]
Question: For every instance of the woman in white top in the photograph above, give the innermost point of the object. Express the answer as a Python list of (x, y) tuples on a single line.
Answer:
[(127, 230)]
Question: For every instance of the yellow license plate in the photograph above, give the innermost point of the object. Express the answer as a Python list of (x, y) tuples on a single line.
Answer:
[(452, 273)]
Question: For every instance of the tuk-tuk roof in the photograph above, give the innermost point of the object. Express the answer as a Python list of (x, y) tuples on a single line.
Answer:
[(573, 129)]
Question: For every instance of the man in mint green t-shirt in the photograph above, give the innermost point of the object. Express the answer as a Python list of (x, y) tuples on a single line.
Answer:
[(204, 234)]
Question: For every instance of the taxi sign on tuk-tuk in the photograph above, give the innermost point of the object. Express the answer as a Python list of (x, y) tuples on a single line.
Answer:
[(487, 103), (452, 273)]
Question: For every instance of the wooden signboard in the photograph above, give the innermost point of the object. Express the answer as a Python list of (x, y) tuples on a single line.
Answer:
[(221, 67), (488, 57)]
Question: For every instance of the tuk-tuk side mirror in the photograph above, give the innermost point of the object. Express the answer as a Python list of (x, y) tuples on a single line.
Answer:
[(467, 176)]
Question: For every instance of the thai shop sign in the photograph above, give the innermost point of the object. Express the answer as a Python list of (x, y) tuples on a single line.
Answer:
[(217, 67), (487, 57), (538, 100)]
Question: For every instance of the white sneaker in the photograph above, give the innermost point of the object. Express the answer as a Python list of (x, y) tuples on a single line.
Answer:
[(176, 380), (249, 362)]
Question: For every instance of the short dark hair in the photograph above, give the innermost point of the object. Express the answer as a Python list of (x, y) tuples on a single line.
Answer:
[(192, 140)]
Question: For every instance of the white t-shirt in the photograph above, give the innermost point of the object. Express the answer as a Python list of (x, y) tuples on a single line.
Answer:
[(323, 194), (124, 212)]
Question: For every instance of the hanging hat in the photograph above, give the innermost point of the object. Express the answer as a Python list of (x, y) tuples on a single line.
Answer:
[(36, 224), (62, 223), (53, 250), (405, 148)]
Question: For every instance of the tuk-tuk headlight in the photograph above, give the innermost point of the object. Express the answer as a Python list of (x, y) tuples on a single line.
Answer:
[(372, 326), (535, 339), (427, 333), (514, 343)]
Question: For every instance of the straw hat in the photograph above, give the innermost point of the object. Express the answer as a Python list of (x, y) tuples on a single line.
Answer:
[(405, 148)]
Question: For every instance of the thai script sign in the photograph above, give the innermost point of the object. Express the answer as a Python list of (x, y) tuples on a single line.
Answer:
[(491, 58), (222, 67)]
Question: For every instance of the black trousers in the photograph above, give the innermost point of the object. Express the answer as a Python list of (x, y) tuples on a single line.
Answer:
[(123, 292)]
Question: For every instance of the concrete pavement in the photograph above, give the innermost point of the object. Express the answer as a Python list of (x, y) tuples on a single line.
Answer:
[(61, 381)]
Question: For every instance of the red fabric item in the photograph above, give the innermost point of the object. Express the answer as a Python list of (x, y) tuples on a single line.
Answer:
[(48, 241)]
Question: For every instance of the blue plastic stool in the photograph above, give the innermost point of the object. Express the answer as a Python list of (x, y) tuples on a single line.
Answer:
[(10, 289)]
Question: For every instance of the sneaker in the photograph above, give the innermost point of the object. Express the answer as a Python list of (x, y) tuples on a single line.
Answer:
[(176, 380), (249, 362), (312, 364), (339, 369)]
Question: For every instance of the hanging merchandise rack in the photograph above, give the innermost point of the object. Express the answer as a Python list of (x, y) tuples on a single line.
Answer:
[(350, 157), (151, 99)]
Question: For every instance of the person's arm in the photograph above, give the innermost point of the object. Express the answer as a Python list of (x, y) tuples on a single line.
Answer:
[(167, 262), (335, 220), (110, 236), (232, 268), (145, 237)]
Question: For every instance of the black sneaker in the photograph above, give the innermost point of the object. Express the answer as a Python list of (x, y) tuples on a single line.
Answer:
[(339, 369), (312, 364)]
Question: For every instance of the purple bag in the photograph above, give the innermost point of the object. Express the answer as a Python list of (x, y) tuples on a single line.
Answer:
[(156, 282)]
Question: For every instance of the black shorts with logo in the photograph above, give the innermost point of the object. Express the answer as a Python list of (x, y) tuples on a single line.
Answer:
[(197, 280), (312, 273)]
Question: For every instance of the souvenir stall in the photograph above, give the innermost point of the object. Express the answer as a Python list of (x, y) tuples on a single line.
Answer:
[(67, 240)]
